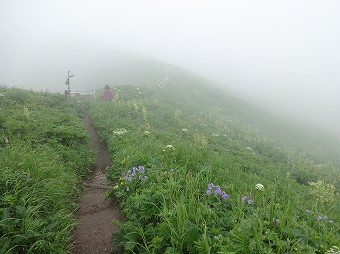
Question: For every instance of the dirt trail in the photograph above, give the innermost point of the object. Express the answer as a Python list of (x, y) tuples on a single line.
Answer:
[(94, 215)]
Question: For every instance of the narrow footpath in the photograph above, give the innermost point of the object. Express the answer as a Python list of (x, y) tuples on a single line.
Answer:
[(95, 214)]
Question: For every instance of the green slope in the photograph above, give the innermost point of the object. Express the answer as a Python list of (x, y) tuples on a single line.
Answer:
[(44, 151), (189, 134), (200, 96)]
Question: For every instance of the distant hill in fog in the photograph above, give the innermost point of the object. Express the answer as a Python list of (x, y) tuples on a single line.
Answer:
[(281, 131)]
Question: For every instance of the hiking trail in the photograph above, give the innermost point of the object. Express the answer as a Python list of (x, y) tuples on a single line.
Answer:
[(94, 216)]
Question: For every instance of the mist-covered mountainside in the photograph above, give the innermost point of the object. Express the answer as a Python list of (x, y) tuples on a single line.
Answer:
[(193, 94), (195, 169), (198, 170)]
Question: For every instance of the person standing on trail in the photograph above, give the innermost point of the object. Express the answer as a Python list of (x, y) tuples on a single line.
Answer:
[(107, 94)]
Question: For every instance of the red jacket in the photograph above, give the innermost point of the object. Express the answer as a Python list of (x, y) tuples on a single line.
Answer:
[(107, 95)]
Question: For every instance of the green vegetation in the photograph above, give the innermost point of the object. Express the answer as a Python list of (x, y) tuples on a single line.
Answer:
[(198, 171), (44, 151)]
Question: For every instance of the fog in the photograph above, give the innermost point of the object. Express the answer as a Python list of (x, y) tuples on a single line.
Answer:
[(285, 54)]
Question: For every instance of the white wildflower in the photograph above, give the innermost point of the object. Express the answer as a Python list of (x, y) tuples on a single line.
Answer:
[(333, 250), (216, 135), (146, 134), (169, 150), (259, 187), (2, 94), (185, 130), (120, 132), (26, 113)]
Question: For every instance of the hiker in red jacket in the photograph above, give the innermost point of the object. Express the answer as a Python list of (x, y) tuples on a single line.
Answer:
[(107, 95)]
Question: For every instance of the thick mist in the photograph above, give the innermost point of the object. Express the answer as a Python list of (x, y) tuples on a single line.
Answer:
[(283, 54)]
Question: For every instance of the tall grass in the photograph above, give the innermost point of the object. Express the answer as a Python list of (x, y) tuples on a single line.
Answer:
[(186, 142), (44, 152)]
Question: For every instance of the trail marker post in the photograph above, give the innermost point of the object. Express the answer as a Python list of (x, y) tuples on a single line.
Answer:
[(67, 83), (69, 93)]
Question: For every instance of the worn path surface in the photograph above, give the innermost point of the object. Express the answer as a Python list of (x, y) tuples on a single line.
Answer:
[(95, 214)]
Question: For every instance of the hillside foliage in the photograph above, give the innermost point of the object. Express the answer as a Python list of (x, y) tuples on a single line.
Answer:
[(195, 169), (199, 171), (44, 152)]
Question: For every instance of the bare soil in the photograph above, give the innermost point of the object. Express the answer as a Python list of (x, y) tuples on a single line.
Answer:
[(94, 216)]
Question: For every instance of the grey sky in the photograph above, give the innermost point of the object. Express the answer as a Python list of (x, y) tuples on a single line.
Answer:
[(284, 52)]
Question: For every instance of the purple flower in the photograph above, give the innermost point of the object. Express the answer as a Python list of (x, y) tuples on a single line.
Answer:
[(225, 195), (244, 198), (308, 211), (127, 188), (127, 178), (218, 190), (141, 168)]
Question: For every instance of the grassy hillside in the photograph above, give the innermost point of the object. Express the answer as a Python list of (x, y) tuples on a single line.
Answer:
[(200, 171), (196, 169), (301, 139), (44, 151)]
